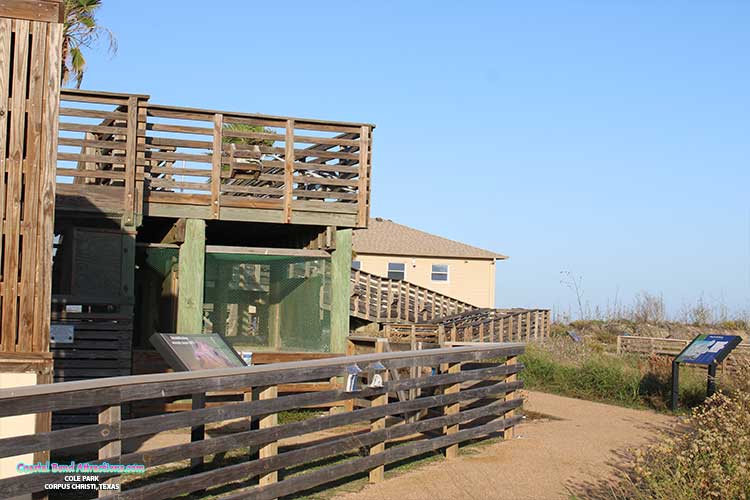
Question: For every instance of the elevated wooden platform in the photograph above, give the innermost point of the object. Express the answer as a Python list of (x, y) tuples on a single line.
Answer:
[(122, 156)]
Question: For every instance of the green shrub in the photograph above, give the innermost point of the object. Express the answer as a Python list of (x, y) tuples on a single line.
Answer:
[(583, 371)]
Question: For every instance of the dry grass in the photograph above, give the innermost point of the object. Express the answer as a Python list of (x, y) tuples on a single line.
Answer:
[(710, 459)]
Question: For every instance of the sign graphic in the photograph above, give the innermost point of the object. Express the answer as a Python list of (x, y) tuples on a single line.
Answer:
[(196, 352), (708, 349)]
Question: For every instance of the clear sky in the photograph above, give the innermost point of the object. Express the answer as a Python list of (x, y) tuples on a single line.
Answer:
[(610, 139)]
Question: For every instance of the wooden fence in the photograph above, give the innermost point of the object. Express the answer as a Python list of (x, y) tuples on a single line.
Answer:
[(481, 325), (30, 54), (627, 344), (121, 153), (382, 300), (467, 397)]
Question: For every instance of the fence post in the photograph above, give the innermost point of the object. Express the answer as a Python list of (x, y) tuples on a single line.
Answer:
[(441, 335), (288, 170), (528, 326), (510, 395), (197, 433), (378, 473), (269, 449), (451, 409), (619, 344), (110, 415)]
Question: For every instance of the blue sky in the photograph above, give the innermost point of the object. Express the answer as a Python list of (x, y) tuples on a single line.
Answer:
[(610, 139)]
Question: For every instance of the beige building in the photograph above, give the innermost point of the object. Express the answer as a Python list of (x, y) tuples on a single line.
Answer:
[(455, 269)]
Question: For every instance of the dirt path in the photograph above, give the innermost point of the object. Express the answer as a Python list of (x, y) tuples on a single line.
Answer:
[(549, 459)]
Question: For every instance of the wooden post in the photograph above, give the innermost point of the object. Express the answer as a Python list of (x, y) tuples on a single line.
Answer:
[(452, 450), (217, 148), (288, 170), (341, 266), (197, 433), (441, 335), (512, 377), (362, 185), (528, 326), (191, 275), (619, 344), (110, 415), (270, 449), (377, 474)]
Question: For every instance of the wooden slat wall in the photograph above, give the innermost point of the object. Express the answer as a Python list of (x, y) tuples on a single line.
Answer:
[(213, 163), (473, 394), (30, 54)]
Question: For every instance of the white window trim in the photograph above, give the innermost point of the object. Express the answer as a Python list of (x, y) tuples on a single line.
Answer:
[(447, 273), (388, 271)]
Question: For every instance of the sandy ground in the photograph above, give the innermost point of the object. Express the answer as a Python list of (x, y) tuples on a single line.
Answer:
[(574, 452)]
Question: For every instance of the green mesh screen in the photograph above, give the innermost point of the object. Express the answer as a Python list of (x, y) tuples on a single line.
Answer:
[(268, 302)]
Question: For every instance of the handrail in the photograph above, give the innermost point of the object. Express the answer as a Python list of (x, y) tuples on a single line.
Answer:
[(169, 161), (252, 375)]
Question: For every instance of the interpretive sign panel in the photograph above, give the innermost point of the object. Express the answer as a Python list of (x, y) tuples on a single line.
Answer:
[(196, 351), (708, 349)]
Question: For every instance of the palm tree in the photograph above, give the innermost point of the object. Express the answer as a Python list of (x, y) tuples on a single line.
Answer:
[(80, 31)]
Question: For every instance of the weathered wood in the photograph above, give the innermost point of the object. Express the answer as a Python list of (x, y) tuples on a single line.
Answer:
[(341, 267), (510, 378), (47, 11), (452, 409), (192, 261), (270, 449), (110, 416)]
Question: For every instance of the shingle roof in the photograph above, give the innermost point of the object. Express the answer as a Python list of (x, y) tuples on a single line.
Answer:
[(386, 237)]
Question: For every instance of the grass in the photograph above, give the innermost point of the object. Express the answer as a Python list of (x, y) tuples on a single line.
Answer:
[(576, 370)]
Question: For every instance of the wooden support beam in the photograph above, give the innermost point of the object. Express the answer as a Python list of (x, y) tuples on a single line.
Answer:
[(218, 139), (191, 269), (176, 234), (341, 266)]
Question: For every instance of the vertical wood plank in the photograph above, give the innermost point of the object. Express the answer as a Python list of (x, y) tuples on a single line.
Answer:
[(128, 218), (452, 409), (272, 448), (288, 170), (362, 185), (30, 187), (216, 165), (510, 361), (16, 139), (5, 55), (528, 326), (378, 473), (45, 222), (110, 415), (198, 432)]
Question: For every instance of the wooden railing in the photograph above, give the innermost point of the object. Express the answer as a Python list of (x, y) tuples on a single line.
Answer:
[(468, 397), (480, 325), (123, 154), (380, 299), (630, 344)]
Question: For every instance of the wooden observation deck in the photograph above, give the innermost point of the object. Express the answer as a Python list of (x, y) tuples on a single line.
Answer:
[(123, 156)]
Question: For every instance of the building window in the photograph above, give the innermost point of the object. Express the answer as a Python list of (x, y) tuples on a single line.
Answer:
[(440, 272), (356, 264), (396, 270)]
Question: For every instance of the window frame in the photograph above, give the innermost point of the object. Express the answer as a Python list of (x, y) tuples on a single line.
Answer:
[(402, 271), (446, 273)]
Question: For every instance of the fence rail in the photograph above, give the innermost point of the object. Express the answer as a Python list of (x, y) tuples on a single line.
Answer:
[(382, 300), (470, 395), (135, 157), (628, 344)]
